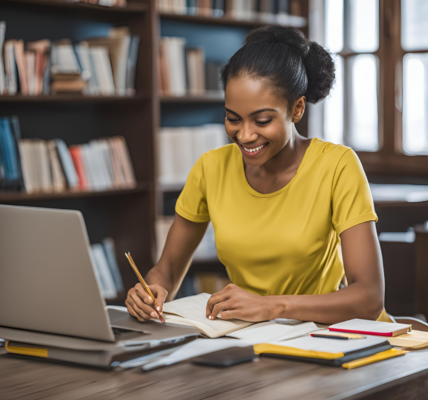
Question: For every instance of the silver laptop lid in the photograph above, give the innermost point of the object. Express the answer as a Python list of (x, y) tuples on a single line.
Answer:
[(47, 282)]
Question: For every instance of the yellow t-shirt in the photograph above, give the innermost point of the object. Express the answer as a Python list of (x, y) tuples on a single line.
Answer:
[(286, 242)]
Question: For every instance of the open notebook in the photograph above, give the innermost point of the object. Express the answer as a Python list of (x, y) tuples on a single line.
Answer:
[(192, 311)]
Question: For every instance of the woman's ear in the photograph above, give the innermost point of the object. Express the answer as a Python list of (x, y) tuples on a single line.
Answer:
[(299, 109)]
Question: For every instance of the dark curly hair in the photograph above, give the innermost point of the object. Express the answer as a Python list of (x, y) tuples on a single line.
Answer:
[(293, 65)]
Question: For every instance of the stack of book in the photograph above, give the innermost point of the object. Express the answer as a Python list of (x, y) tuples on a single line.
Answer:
[(269, 11), (184, 71), (35, 165), (97, 66), (180, 148), (106, 268)]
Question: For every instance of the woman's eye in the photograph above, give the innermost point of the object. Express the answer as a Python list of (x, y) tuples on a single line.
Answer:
[(264, 122), (233, 119)]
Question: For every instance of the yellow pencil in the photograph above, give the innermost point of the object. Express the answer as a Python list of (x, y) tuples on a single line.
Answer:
[(143, 283)]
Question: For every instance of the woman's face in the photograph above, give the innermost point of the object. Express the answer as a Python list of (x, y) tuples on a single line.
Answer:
[(257, 120)]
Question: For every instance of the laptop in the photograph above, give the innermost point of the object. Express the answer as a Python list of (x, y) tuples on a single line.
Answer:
[(49, 291)]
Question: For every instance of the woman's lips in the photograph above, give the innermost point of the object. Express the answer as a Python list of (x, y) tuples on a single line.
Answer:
[(252, 151)]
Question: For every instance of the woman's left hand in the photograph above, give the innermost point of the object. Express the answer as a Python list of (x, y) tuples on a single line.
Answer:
[(234, 302)]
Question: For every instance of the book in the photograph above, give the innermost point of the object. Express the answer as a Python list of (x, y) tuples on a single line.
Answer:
[(110, 253), (131, 65), (10, 67), (104, 275), (180, 148), (2, 71), (10, 161), (21, 62), (76, 156), (195, 70), (368, 327), (41, 49), (67, 164), (323, 351), (117, 45), (192, 311), (59, 182)]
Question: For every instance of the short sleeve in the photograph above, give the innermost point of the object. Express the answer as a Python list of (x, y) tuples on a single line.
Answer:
[(192, 203), (352, 202)]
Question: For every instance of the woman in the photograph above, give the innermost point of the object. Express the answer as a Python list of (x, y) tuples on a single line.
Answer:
[(292, 216)]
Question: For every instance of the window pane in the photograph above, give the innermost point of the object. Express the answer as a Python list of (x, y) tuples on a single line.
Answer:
[(363, 25), (333, 107), (415, 101), (414, 24), (334, 25), (363, 107)]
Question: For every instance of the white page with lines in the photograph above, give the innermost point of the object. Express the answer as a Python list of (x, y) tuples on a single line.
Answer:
[(192, 311)]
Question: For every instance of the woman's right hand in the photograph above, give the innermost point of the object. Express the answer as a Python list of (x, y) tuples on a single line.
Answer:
[(140, 304)]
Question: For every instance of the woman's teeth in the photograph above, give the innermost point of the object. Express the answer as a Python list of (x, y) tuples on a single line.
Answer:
[(255, 149)]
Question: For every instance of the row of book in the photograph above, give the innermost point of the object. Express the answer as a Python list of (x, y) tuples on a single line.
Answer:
[(97, 66), (180, 148), (182, 71), (106, 268), (263, 10), (34, 165), (104, 3)]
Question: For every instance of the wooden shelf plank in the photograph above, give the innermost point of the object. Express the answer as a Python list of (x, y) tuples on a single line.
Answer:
[(209, 97), (298, 22), (9, 197), (70, 99), (130, 8)]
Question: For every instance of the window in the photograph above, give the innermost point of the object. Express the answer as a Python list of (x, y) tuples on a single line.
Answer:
[(379, 104), (414, 44), (352, 34)]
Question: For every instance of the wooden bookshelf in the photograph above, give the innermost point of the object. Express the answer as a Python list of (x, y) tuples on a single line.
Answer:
[(14, 197), (132, 7), (125, 214), (254, 22), (64, 98)]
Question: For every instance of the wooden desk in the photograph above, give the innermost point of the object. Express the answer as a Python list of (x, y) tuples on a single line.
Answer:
[(268, 379)]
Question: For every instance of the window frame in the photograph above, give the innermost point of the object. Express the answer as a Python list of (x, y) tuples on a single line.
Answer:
[(390, 158)]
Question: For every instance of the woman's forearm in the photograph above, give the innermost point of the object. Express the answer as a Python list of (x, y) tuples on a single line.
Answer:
[(354, 301)]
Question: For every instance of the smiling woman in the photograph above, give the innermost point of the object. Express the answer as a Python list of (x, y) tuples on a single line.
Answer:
[(292, 216)]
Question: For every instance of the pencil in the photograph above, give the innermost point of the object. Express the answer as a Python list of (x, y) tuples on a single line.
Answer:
[(143, 283)]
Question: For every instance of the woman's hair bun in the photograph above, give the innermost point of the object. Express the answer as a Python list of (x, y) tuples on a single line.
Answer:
[(321, 70), (293, 65), (288, 35)]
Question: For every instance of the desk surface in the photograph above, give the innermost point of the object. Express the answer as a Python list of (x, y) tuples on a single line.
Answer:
[(267, 379)]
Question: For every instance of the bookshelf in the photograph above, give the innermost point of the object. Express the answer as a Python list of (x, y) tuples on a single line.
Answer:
[(125, 214)]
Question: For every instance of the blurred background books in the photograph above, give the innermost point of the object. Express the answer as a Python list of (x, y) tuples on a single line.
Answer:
[(103, 66)]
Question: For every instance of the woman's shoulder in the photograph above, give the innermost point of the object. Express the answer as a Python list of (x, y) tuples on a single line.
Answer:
[(329, 149), (221, 155)]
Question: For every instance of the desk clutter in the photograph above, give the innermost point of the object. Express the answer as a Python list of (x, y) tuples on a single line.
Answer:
[(35, 165), (289, 339), (103, 66)]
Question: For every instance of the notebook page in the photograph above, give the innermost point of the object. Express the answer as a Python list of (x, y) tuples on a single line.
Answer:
[(271, 331), (193, 309), (364, 325), (330, 345)]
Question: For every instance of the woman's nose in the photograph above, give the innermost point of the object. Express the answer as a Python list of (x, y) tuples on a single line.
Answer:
[(246, 134)]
